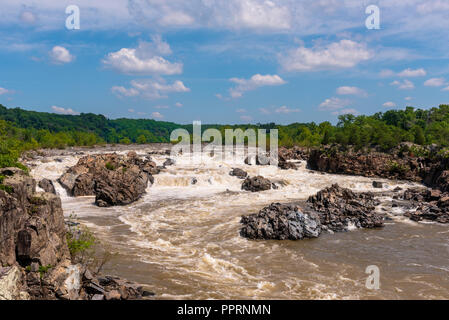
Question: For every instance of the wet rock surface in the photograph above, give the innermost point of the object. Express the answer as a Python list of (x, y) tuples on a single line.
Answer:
[(280, 222), (340, 209), (113, 179), (430, 204), (239, 173), (35, 262), (256, 184), (47, 186)]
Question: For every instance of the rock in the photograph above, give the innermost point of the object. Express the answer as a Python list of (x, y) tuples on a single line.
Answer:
[(260, 159), (32, 224), (168, 162), (256, 184), (285, 165), (340, 209), (431, 205), (193, 181), (377, 184), (112, 295), (113, 179), (97, 297), (239, 173), (280, 222), (11, 284), (47, 186)]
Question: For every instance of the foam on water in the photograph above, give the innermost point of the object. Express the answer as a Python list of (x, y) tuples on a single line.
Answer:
[(189, 233)]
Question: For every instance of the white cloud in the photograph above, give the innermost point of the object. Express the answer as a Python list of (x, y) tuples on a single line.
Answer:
[(351, 91), (150, 88), (146, 59), (176, 18), (60, 110), (337, 55), (333, 104), (4, 91), (345, 111), (161, 107), (253, 83), (156, 115), (60, 55), (386, 73), (28, 17), (408, 98), (286, 110), (264, 111), (131, 110), (262, 15), (435, 82), (389, 104), (404, 85), (240, 110), (178, 104), (408, 73), (246, 118), (445, 89)]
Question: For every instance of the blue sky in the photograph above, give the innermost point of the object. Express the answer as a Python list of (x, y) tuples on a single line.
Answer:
[(224, 61)]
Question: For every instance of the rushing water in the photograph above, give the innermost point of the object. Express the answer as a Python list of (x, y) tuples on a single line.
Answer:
[(183, 242)]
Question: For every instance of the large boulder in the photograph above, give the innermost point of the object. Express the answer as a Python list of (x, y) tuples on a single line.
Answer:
[(113, 179), (239, 173), (341, 209), (280, 222), (31, 223), (256, 184)]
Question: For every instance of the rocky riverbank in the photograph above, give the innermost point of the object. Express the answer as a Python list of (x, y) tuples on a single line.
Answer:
[(34, 254)]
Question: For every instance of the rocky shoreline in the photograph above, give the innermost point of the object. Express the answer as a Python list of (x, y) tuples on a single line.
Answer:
[(35, 262)]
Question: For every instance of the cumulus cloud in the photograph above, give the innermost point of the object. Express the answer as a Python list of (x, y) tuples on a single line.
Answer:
[(240, 110), (333, 104), (409, 73), (389, 104), (403, 85), (61, 110), (286, 110), (253, 83), (162, 107), (435, 82), (246, 118), (60, 55), (178, 104), (445, 89), (408, 98), (146, 59), (156, 115), (337, 55), (150, 88), (264, 111), (4, 91), (28, 17), (351, 91), (345, 111)]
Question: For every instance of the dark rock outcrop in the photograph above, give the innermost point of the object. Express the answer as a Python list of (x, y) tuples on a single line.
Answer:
[(377, 184), (285, 165), (31, 223), (47, 186), (430, 204), (280, 222), (113, 179), (239, 173), (256, 184), (293, 153), (340, 208)]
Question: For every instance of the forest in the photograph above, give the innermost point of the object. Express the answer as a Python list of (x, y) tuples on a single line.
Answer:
[(22, 130)]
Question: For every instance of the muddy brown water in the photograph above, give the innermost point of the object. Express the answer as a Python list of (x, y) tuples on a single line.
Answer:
[(182, 240)]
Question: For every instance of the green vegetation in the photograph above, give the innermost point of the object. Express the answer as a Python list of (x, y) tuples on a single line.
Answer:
[(22, 130)]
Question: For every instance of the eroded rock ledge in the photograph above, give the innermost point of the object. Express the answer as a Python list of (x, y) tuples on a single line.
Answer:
[(332, 209), (35, 262), (114, 179)]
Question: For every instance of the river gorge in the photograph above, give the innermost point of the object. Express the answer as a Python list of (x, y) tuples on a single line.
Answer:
[(181, 239)]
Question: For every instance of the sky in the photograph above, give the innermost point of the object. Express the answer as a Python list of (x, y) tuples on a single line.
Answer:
[(224, 61)]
